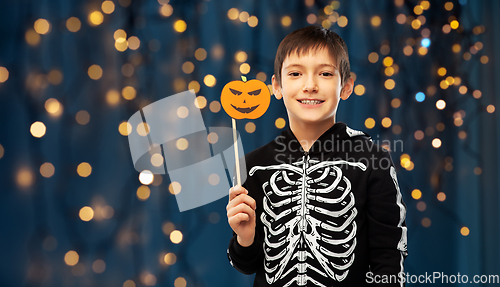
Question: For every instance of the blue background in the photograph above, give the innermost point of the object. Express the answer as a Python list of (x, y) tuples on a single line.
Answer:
[(131, 242)]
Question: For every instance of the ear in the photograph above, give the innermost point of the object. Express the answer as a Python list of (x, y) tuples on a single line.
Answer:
[(276, 88), (347, 89)]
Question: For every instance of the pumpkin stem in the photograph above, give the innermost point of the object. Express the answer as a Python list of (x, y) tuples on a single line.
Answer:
[(243, 78)]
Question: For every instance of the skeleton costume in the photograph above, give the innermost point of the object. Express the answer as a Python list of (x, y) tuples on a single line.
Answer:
[(325, 217)]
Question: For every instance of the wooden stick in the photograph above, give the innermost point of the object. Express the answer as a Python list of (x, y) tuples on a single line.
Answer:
[(237, 158)]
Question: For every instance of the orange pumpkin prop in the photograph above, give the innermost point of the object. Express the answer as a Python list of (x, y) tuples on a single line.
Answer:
[(245, 99)]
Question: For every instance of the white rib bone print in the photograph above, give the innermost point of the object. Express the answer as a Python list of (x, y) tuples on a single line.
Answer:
[(308, 213)]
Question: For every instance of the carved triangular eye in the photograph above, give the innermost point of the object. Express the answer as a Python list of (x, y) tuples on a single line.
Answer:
[(235, 92), (254, 93)]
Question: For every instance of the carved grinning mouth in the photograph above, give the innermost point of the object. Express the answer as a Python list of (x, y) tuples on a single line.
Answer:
[(245, 110)]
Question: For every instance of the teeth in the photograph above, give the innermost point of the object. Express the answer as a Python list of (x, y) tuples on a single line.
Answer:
[(310, 102)]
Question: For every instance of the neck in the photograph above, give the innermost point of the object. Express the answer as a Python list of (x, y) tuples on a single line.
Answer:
[(308, 133)]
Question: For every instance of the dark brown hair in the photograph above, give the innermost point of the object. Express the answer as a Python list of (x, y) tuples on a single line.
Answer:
[(311, 38)]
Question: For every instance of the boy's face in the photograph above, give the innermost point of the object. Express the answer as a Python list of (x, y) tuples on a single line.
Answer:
[(311, 88)]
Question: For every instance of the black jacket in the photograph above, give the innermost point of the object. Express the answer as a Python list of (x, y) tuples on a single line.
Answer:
[(325, 217)]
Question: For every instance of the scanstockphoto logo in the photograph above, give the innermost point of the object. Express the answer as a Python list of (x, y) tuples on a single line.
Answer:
[(169, 136)]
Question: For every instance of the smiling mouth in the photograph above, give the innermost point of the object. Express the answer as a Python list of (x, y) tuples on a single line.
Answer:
[(310, 102), (245, 110)]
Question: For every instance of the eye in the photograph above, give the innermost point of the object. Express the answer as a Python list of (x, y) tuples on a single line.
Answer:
[(254, 93), (326, 74), (236, 92), (294, 74)]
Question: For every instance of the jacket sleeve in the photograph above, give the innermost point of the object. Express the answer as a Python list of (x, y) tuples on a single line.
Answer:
[(245, 259), (386, 213), (249, 259)]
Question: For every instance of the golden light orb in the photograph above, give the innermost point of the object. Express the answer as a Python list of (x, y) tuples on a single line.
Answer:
[(86, 213), (73, 24), (95, 18), (180, 26), (84, 169), (38, 129), (108, 7), (42, 26)]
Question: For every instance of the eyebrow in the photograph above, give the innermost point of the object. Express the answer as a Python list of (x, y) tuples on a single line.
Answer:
[(301, 66)]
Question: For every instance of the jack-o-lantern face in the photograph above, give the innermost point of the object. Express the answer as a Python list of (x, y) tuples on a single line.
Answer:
[(245, 100)]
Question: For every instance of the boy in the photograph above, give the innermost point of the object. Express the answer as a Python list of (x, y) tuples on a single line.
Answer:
[(321, 205)]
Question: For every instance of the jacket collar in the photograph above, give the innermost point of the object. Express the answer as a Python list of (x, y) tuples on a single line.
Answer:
[(325, 143)]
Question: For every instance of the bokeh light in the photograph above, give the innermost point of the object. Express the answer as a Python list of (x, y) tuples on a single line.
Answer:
[(125, 128), (420, 97), (233, 13), (280, 123), (215, 106), (200, 54), (71, 258), (440, 104), (180, 26), (209, 80), (108, 7), (390, 84), (250, 127), (42, 26), (84, 169), (129, 93), (286, 21), (441, 196), (95, 18), (359, 90), (373, 57), (416, 194), (73, 24), (182, 144), (95, 72), (170, 258), (4, 74), (143, 192), (436, 143), (53, 107), (38, 129), (396, 103), (99, 266), (200, 102), (146, 177), (82, 117), (86, 213), (166, 10), (369, 123), (241, 56), (180, 282), (176, 236), (386, 122), (245, 68), (25, 177), (464, 231), (46, 170), (376, 21), (174, 187)]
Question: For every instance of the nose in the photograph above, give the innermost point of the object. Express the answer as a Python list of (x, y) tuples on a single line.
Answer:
[(310, 85)]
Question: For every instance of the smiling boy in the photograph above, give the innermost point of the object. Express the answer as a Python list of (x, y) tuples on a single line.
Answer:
[(321, 205)]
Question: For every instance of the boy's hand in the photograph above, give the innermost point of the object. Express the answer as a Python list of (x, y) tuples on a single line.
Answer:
[(241, 215)]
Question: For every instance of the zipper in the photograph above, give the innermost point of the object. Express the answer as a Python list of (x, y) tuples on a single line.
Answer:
[(305, 159)]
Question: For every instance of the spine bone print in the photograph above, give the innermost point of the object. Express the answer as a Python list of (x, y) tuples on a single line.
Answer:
[(308, 217)]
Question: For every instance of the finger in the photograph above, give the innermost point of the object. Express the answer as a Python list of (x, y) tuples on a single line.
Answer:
[(235, 191), (241, 208), (242, 198), (238, 218)]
